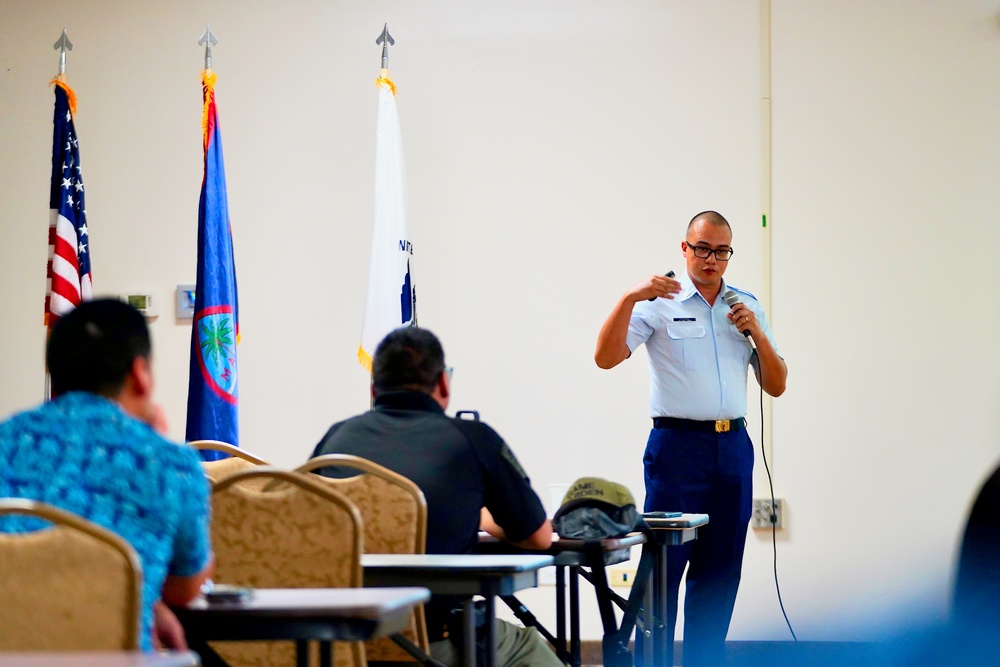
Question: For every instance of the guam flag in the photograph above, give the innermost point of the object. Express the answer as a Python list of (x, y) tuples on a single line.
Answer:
[(391, 295), (212, 410)]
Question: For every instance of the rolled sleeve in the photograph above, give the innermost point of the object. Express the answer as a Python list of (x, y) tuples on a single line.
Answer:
[(641, 326)]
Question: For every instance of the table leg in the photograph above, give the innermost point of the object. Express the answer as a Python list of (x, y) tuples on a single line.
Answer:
[(301, 653), (469, 623), (208, 656), (490, 630), (529, 620), (574, 616), (663, 644), (649, 623), (326, 654), (561, 614)]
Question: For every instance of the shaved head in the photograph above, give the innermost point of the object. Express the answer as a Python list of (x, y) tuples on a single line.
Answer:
[(711, 218)]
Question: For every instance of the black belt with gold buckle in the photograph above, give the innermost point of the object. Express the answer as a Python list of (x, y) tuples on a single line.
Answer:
[(717, 426)]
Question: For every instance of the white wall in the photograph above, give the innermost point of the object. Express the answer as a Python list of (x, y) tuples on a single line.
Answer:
[(555, 151), (885, 205)]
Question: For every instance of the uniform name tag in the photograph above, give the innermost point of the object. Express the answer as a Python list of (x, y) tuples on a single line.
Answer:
[(685, 319)]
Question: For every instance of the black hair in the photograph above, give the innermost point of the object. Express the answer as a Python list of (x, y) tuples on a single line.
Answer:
[(408, 358), (93, 346)]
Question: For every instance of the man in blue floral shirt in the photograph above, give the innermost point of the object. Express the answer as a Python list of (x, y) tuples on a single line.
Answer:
[(93, 451)]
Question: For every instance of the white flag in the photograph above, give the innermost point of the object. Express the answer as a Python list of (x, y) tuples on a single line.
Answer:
[(391, 297)]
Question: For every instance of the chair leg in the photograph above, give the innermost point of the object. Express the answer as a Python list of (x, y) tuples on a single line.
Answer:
[(418, 653)]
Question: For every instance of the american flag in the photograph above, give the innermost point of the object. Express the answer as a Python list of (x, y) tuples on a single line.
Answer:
[(69, 240)]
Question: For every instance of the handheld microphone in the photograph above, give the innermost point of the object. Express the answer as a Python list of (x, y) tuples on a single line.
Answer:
[(732, 298), (668, 274)]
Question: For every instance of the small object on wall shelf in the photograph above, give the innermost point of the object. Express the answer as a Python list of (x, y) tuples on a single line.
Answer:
[(185, 302)]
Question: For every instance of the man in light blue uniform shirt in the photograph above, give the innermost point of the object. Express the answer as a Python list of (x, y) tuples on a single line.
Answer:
[(699, 457)]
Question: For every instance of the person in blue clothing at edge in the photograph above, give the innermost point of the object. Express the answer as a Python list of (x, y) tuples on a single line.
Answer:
[(698, 457), (470, 478), (93, 451)]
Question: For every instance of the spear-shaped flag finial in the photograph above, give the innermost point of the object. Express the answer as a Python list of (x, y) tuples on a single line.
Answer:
[(63, 45), (209, 40), (386, 40)]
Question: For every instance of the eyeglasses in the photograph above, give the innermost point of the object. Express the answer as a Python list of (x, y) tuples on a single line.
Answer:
[(449, 371), (702, 252)]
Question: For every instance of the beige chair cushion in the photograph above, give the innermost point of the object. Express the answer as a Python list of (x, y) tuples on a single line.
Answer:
[(71, 586), (300, 535)]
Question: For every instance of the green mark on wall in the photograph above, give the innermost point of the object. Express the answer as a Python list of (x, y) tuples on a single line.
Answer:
[(763, 220)]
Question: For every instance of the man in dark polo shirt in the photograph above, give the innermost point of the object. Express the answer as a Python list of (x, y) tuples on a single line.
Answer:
[(467, 473)]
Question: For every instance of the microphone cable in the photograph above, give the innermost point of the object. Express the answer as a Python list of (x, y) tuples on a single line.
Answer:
[(732, 299), (773, 518)]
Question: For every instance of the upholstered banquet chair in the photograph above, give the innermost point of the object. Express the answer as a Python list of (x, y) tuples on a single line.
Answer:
[(301, 534), (394, 512), (72, 585), (238, 459)]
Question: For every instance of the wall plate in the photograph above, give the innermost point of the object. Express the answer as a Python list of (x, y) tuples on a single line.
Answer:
[(185, 302)]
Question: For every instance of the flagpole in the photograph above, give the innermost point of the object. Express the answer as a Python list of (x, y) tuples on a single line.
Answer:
[(386, 40), (209, 40), (213, 394), (391, 302), (62, 45)]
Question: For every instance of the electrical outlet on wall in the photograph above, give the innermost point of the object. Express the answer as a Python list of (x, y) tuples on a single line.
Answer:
[(621, 576), (764, 514)]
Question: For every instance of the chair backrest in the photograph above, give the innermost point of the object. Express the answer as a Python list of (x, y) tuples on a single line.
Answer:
[(237, 461), (303, 534), (71, 586), (393, 508), (394, 512)]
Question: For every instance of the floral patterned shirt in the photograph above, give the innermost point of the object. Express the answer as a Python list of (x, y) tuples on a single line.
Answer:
[(83, 453)]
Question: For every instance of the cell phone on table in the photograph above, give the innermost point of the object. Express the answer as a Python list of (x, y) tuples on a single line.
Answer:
[(668, 274), (228, 594), (661, 515)]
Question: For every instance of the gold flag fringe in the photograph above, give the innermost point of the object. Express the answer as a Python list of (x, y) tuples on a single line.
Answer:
[(70, 95), (208, 79), (384, 80)]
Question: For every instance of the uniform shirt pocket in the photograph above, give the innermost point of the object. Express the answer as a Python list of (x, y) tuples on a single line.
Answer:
[(693, 341)]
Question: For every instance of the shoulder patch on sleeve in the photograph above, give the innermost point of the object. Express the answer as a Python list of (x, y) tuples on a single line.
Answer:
[(509, 457)]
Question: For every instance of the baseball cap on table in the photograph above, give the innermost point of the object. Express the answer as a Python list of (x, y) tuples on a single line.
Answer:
[(595, 508)]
